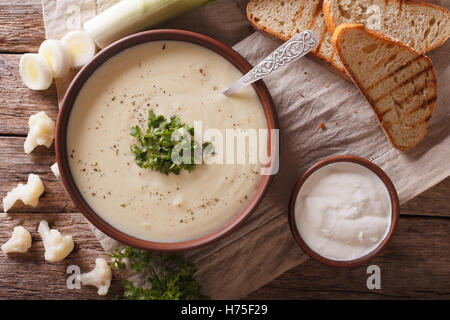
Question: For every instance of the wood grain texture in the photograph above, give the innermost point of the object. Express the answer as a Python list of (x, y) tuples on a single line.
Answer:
[(18, 102), (29, 276), (21, 26), (434, 202), (414, 265), (16, 165)]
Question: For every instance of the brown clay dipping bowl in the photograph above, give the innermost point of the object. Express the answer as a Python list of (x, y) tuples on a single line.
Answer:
[(61, 152), (395, 208)]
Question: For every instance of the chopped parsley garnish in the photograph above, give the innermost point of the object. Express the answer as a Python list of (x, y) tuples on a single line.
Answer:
[(165, 277), (167, 145)]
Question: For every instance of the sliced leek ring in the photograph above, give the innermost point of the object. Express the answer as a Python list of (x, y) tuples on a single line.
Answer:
[(81, 48), (35, 71), (57, 55)]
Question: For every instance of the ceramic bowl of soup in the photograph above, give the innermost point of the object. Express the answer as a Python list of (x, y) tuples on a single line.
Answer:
[(169, 73)]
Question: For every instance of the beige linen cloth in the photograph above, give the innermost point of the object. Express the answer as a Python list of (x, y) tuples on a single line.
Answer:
[(306, 95)]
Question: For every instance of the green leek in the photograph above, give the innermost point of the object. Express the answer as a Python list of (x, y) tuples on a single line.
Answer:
[(130, 16)]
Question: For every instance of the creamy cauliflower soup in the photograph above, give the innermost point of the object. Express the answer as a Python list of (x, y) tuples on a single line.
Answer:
[(170, 78)]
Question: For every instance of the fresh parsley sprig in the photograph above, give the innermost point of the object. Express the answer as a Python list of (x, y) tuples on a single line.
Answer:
[(156, 145), (169, 277)]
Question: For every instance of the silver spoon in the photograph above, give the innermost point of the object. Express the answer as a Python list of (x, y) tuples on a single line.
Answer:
[(290, 51)]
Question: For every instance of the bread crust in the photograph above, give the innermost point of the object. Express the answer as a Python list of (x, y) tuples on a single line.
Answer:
[(339, 31), (331, 24), (329, 21), (336, 69)]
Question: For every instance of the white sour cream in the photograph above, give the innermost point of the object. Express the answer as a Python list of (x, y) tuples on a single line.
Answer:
[(343, 211), (173, 79)]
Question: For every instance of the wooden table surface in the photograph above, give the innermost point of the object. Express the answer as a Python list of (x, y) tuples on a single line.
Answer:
[(416, 264)]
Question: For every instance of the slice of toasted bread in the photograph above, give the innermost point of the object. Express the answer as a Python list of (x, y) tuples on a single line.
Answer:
[(422, 26), (399, 83), (285, 18)]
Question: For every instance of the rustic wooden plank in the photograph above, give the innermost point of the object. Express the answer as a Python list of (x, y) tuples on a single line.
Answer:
[(21, 26), (414, 265), (17, 101), (433, 202), (16, 165), (29, 276)]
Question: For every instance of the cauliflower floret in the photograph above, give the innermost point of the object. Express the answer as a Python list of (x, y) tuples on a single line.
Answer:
[(42, 131), (57, 247), (55, 170), (99, 277), (19, 242), (28, 193)]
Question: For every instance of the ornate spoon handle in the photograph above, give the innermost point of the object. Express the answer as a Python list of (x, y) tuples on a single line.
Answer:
[(295, 48)]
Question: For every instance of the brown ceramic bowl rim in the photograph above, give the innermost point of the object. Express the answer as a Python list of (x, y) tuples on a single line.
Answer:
[(60, 142), (395, 208)]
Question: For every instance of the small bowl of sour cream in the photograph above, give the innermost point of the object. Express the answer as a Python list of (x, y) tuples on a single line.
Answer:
[(343, 211)]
